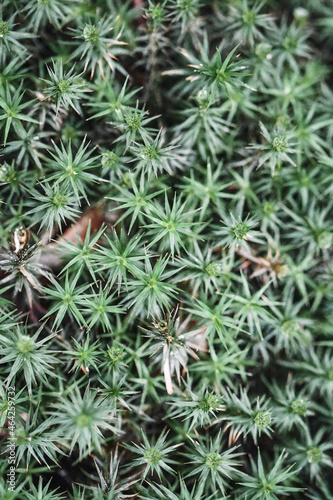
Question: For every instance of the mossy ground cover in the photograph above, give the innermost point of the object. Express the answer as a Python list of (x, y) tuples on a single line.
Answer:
[(166, 322)]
